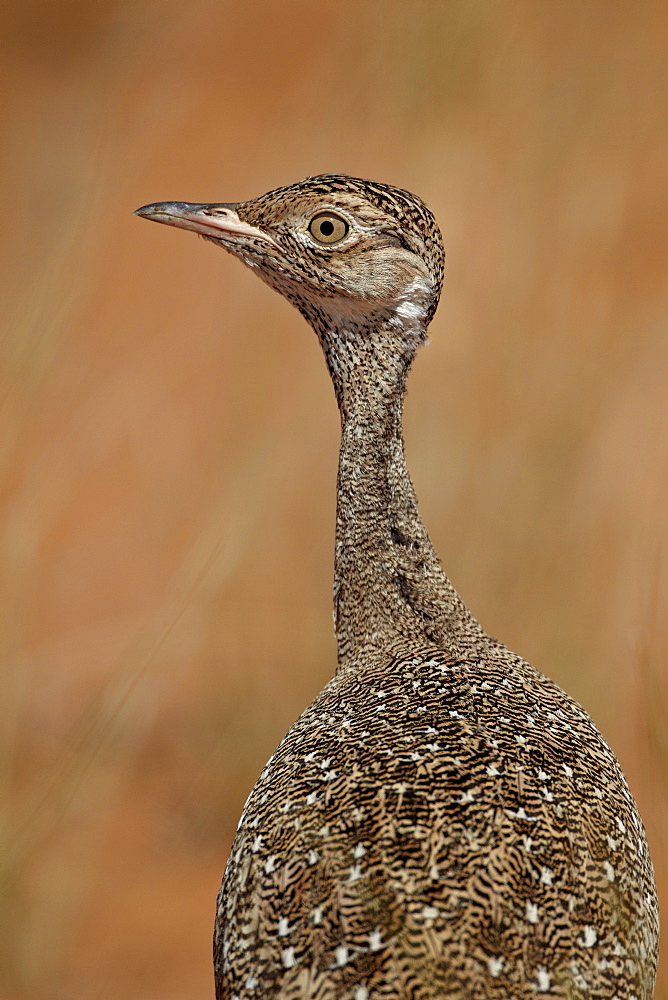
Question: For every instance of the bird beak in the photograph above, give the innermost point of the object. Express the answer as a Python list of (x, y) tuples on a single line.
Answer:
[(216, 221)]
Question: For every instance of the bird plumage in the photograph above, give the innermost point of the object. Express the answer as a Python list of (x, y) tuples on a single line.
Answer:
[(443, 821)]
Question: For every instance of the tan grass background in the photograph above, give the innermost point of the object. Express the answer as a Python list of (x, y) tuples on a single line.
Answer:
[(168, 434)]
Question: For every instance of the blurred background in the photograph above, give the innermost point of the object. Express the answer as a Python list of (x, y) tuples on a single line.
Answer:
[(169, 434)]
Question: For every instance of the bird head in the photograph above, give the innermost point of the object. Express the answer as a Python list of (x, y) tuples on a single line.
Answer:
[(346, 252)]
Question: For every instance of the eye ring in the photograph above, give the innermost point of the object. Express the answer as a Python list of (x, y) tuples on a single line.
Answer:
[(328, 228)]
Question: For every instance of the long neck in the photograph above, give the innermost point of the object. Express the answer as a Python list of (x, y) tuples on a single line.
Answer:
[(388, 583)]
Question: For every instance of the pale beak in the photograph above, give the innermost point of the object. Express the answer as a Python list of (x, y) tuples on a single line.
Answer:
[(217, 221)]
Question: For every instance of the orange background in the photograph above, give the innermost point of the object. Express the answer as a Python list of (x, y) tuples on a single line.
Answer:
[(169, 435)]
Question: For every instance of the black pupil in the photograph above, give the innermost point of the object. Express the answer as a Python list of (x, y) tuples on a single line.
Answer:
[(326, 227)]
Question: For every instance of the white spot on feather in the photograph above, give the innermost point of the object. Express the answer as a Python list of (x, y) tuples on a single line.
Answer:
[(589, 937), (543, 977), (341, 955), (495, 965), (375, 943), (288, 958)]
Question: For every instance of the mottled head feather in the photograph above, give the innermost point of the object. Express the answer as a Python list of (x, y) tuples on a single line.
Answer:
[(394, 240)]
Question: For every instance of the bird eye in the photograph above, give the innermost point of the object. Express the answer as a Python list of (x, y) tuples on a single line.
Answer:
[(326, 227)]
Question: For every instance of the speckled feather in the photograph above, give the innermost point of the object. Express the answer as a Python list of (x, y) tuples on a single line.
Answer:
[(443, 821)]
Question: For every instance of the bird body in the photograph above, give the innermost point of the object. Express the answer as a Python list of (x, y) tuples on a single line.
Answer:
[(443, 821)]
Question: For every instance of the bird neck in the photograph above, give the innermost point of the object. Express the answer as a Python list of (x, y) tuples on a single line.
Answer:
[(388, 582)]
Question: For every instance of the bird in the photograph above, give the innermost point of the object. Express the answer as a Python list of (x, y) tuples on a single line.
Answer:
[(443, 822)]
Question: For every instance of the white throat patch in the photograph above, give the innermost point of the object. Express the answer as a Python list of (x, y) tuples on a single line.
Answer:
[(411, 310)]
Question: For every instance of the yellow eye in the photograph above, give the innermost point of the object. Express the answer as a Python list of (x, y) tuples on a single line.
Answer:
[(326, 227)]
